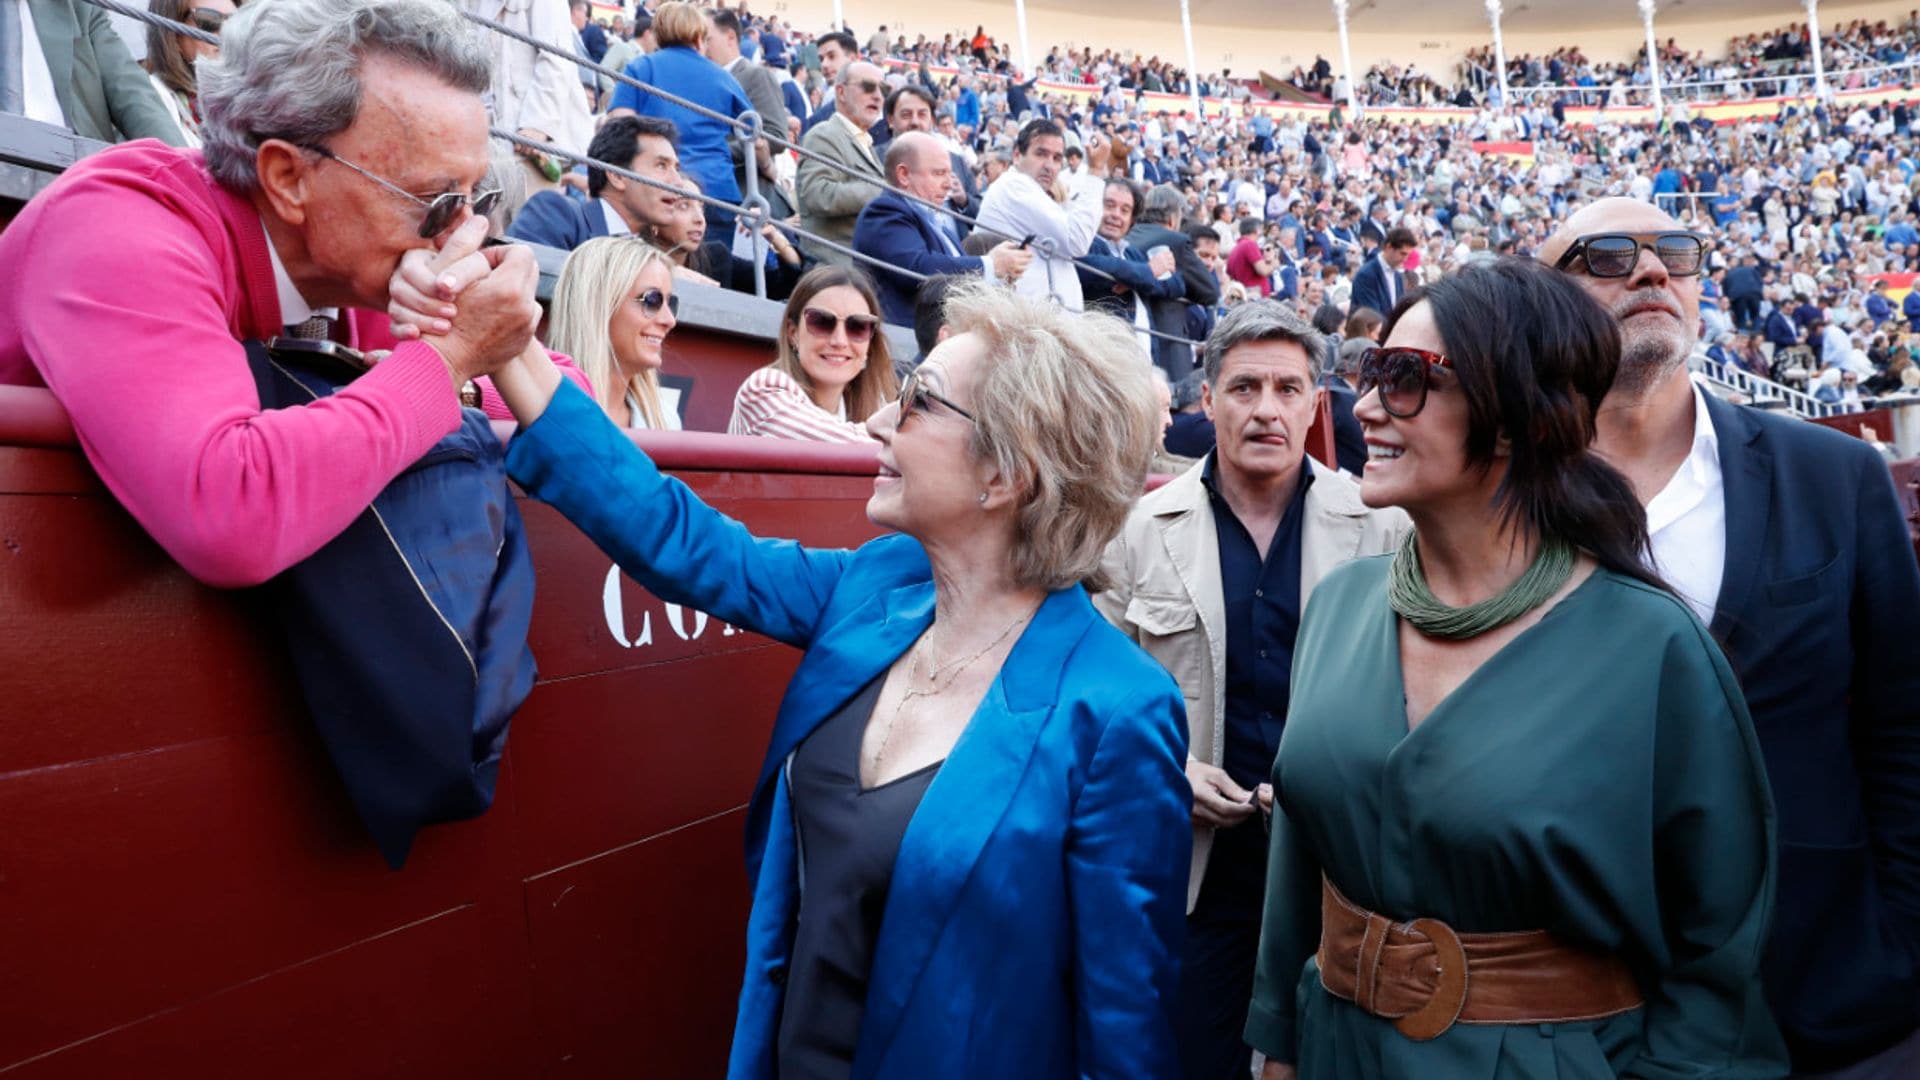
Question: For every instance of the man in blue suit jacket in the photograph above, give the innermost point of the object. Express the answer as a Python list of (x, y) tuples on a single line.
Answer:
[(904, 233), (1379, 284), (1786, 538), (616, 205)]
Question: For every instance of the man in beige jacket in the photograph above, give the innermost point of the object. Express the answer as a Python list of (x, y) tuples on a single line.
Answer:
[(1210, 575)]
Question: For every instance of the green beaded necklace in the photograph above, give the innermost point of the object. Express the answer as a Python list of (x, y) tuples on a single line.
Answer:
[(1410, 598)]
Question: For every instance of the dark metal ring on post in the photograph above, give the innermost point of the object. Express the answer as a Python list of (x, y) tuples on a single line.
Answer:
[(756, 211)]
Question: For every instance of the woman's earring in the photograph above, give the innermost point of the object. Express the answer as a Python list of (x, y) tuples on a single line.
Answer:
[(983, 498)]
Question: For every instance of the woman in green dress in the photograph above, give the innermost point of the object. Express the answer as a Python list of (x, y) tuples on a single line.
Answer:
[(1523, 828)]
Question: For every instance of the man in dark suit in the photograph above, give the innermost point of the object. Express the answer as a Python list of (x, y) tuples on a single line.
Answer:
[(1745, 289), (1787, 540), (615, 205), (98, 91), (903, 233), (911, 108), (1379, 283), (1129, 282), (1158, 225)]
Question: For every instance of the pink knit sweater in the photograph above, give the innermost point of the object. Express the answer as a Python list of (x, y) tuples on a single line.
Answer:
[(131, 282)]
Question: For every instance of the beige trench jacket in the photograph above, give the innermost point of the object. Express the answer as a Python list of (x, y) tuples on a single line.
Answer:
[(1165, 593)]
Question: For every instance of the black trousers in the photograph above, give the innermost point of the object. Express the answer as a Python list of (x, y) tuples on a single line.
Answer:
[(1746, 312), (1216, 972)]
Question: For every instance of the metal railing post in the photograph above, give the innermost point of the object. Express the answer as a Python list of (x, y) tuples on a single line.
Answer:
[(751, 199)]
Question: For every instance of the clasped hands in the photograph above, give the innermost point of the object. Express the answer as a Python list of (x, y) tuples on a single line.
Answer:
[(477, 304)]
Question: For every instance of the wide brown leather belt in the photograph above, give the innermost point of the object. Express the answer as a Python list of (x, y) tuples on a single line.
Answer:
[(1425, 978)]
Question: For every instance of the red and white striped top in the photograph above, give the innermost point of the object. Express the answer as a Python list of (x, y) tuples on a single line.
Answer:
[(770, 403)]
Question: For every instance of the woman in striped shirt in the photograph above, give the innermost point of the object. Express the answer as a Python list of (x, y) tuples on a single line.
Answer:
[(832, 369)]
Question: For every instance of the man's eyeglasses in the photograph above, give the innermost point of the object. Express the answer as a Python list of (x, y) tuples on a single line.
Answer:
[(441, 209), (860, 328), (914, 396), (1614, 255), (1402, 375), (653, 300), (865, 86), (207, 19)]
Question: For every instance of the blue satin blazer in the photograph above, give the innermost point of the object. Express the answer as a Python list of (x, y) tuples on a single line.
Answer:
[(1034, 923)]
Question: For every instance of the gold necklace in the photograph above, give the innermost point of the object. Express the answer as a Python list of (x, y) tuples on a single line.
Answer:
[(934, 689)]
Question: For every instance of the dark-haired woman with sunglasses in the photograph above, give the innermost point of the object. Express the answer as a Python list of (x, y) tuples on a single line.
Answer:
[(832, 369), (1525, 829)]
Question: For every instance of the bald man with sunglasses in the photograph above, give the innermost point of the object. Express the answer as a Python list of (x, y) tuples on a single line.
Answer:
[(1786, 540)]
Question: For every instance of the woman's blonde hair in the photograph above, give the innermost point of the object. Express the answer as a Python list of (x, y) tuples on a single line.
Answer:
[(593, 284), (679, 23), (1064, 406), (876, 384)]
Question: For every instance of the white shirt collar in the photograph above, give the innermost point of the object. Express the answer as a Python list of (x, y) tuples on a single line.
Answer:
[(616, 225), (294, 308)]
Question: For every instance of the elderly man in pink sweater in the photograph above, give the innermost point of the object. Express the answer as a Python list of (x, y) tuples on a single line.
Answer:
[(340, 135)]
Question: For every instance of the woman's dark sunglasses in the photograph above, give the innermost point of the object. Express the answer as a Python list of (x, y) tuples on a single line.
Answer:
[(860, 328), (1401, 374), (653, 300), (441, 209), (914, 396), (207, 19), (1614, 255)]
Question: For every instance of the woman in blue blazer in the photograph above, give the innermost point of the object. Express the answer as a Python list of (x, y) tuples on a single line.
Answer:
[(968, 844)]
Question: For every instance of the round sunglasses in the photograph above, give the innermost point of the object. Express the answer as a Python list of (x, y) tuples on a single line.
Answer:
[(1401, 375), (1614, 255), (823, 323)]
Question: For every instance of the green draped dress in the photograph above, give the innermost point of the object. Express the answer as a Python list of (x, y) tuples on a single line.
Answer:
[(1598, 778)]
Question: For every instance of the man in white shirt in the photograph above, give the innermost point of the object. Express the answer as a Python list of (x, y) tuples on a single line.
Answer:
[(1034, 200)]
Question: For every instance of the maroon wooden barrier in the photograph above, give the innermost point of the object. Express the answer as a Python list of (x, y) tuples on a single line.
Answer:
[(184, 889)]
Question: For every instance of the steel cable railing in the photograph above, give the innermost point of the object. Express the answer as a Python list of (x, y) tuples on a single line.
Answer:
[(754, 208), (758, 214), (740, 127)]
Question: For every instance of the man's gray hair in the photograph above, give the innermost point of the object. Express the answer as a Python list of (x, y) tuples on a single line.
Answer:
[(1164, 206), (290, 69), (1263, 320)]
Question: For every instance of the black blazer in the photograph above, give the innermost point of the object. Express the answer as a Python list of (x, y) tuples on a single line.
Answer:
[(1819, 612), (1170, 316)]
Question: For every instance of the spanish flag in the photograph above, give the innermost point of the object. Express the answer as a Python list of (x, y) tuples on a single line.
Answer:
[(1519, 153)]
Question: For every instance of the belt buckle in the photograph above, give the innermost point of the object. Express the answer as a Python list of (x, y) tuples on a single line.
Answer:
[(1449, 996)]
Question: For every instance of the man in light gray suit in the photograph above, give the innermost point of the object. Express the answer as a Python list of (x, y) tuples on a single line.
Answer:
[(97, 89), (831, 200)]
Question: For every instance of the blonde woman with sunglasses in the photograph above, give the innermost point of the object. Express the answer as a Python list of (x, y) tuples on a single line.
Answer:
[(832, 370), (612, 311)]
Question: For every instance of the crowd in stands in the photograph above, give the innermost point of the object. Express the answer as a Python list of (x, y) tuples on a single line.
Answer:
[(1760, 64), (1116, 202)]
